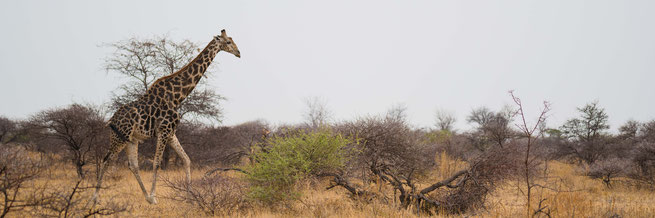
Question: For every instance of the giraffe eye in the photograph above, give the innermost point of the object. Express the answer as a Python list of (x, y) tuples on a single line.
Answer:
[(229, 42)]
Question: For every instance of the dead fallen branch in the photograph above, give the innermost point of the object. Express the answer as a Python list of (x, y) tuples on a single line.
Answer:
[(210, 172)]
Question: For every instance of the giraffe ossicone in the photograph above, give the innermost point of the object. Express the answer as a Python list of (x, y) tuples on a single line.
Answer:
[(155, 114)]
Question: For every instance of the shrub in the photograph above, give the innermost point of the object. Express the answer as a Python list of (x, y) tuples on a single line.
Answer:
[(290, 159), (72, 199), (388, 142), (644, 164), (608, 170), (17, 170), (20, 169), (214, 195)]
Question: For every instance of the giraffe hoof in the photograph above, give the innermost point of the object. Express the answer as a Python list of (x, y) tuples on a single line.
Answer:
[(151, 199)]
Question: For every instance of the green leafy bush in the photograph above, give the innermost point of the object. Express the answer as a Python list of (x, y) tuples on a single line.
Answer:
[(289, 159)]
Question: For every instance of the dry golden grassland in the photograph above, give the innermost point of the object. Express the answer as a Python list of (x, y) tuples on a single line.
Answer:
[(569, 194)]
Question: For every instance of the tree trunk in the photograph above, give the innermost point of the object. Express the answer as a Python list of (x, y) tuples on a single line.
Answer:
[(79, 166)]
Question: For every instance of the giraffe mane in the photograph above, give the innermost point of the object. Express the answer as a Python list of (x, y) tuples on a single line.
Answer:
[(181, 69)]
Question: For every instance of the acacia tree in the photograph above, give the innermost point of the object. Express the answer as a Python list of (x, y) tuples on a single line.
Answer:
[(586, 134), (79, 129), (493, 128), (142, 61)]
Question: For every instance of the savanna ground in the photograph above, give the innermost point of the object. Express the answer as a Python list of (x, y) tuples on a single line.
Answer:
[(570, 194), (377, 166)]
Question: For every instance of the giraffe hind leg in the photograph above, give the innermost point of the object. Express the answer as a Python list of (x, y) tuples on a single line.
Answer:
[(175, 144), (116, 147)]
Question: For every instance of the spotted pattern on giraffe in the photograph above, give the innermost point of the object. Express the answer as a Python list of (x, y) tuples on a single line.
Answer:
[(155, 114)]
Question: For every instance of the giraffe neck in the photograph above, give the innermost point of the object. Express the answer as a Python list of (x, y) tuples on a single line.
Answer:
[(177, 86)]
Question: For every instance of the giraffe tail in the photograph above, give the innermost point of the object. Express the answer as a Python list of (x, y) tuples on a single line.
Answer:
[(118, 133)]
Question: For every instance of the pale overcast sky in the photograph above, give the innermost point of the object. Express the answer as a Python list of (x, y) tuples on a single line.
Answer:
[(361, 56)]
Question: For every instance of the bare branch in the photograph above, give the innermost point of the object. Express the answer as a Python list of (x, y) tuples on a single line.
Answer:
[(445, 182), (210, 172)]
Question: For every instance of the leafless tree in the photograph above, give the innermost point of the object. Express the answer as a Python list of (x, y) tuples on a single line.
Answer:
[(445, 120), (317, 113), (142, 61), (388, 142), (492, 127), (77, 128), (530, 133), (480, 116), (397, 113)]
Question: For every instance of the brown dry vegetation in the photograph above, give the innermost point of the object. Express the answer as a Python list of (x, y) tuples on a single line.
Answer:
[(572, 195), (375, 166)]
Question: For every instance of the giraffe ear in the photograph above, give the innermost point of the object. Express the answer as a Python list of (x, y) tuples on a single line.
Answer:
[(223, 34)]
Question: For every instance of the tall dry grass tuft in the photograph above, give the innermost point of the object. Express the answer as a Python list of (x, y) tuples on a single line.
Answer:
[(447, 166), (568, 193)]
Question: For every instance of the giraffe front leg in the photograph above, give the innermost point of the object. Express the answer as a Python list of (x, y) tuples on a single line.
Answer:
[(162, 140)]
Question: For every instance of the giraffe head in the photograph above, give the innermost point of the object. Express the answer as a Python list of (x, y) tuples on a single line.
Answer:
[(227, 44)]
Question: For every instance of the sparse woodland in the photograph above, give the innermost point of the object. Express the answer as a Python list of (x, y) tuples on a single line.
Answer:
[(511, 163)]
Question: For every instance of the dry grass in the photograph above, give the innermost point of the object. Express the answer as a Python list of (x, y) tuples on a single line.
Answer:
[(569, 194)]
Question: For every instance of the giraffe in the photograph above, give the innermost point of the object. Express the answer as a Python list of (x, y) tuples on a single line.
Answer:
[(155, 115)]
